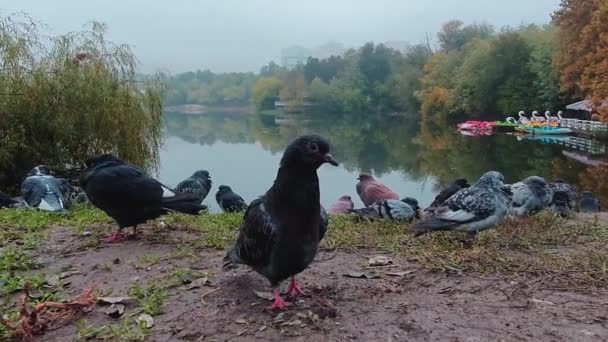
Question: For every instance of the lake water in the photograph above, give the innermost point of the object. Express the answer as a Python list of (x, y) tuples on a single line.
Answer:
[(243, 151)]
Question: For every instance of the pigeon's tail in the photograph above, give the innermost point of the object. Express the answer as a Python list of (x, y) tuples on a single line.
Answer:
[(368, 212), (231, 260), (183, 203), (432, 224)]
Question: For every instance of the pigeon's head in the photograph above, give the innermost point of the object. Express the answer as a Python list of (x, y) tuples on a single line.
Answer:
[(587, 194), (412, 202), (491, 179), (101, 159), (224, 189), (201, 174), (535, 181), (41, 170), (345, 198), (308, 150), (364, 177), (462, 182)]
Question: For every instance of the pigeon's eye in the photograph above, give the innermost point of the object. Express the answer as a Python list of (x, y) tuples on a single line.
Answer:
[(314, 147)]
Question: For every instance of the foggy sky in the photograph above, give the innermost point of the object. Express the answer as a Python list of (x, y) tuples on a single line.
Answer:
[(231, 35)]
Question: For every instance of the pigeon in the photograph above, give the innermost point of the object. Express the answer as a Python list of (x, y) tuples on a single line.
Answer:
[(414, 204), (281, 230), (529, 196), (129, 196), (199, 184), (404, 210), (371, 191), (5, 200), (342, 206), (446, 193), (588, 203), (229, 200), (471, 209), (564, 197), (41, 190)]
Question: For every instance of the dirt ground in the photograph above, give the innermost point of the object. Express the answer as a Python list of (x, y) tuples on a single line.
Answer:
[(405, 302)]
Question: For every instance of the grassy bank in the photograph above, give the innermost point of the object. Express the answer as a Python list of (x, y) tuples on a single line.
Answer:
[(573, 254)]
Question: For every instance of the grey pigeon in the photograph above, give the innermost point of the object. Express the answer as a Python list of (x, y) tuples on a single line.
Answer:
[(446, 193), (198, 184), (281, 231), (472, 209), (41, 190), (588, 203), (229, 200), (564, 197), (529, 196), (389, 209)]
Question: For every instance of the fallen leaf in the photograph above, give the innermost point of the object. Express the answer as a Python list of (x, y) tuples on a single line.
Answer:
[(540, 301), (379, 260), (240, 321), (114, 310), (145, 320), (52, 280), (367, 275), (399, 274), (114, 300), (279, 318), (262, 328), (292, 322), (197, 283), (68, 274), (264, 295)]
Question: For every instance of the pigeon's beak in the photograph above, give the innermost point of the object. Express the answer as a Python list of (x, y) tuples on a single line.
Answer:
[(330, 159)]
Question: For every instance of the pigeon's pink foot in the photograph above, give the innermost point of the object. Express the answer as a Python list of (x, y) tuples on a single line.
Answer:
[(116, 236), (279, 303), (293, 289)]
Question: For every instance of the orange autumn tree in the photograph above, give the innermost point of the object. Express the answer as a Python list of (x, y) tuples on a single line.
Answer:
[(582, 47)]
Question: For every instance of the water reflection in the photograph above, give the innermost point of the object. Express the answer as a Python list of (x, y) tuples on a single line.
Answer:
[(244, 150)]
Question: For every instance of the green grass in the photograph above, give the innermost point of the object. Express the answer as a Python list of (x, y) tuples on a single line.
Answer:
[(150, 296)]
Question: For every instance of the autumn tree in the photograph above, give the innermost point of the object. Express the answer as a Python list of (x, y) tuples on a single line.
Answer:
[(582, 36)]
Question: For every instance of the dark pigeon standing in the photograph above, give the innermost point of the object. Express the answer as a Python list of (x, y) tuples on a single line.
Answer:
[(342, 206), (129, 196), (471, 209), (371, 191), (198, 184), (564, 197), (529, 196), (406, 209), (446, 193), (229, 200), (5, 200), (281, 230), (41, 190), (588, 203)]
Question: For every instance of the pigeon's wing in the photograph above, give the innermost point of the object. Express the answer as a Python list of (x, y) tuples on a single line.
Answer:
[(256, 237), (323, 224), (232, 200), (397, 210), (32, 191), (468, 205), (191, 186), (125, 186), (377, 192)]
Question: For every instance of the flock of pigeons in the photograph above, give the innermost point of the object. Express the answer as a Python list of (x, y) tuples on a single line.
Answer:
[(281, 230)]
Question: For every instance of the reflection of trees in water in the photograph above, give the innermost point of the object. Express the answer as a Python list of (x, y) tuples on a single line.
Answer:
[(382, 144), (447, 154), (209, 129)]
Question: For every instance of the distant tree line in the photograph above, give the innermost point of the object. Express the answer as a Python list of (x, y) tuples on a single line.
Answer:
[(208, 88)]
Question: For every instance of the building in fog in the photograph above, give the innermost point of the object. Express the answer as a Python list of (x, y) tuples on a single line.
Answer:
[(297, 55)]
